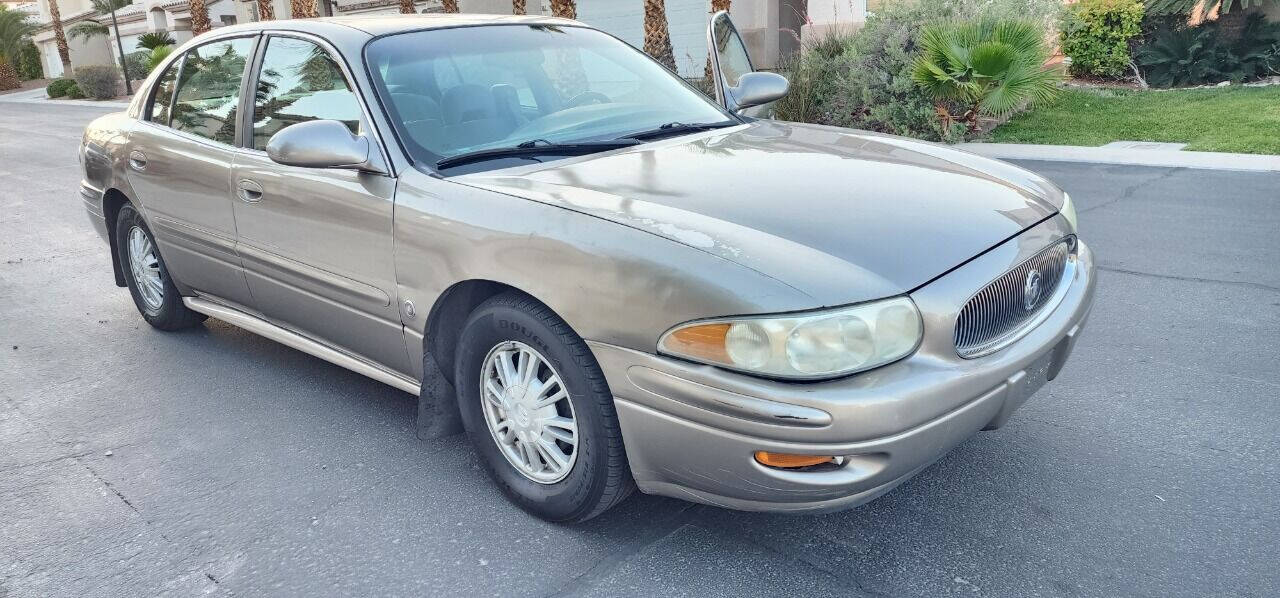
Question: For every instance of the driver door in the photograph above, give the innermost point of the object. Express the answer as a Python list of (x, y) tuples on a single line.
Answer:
[(729, 62)]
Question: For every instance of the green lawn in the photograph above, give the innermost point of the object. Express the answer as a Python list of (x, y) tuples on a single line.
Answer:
[(1232, 119)]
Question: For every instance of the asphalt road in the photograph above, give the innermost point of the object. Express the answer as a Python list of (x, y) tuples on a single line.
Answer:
[(136, 463)]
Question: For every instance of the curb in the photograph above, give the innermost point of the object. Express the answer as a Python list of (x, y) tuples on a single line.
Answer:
[(38, 96), (1126, 156)]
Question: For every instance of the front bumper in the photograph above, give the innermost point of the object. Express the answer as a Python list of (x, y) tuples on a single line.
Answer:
[(691, 430)]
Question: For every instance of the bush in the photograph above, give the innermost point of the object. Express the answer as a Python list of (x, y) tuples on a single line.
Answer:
[(157, 56), (58, 87), (74, 93), (155, 39), (29, 66), (136, 64), (1200, 55), (863, 80), (989, 67), (98, 82), (1096, 35)]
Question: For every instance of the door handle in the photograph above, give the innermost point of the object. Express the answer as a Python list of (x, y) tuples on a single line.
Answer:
[(137, 160), (249, 191)]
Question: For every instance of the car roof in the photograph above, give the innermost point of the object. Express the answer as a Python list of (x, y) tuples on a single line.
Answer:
[(384, 24)]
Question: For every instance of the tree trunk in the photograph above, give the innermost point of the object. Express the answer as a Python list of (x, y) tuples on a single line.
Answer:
[(8, 76), (518, 7), (266, 11), (565, 9), (407, 7), (199, 16), (716, 6), (303, 9), (60, 38), (450, 6), (657, 38), (1232, 19)]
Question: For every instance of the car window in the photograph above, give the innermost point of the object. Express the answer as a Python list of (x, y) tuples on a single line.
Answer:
[(162, 99), (300, 82), (453, 91), (209, 89), (730, 53)]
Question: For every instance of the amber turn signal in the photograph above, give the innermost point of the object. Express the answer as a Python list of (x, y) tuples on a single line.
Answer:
[(703, 342), (791, 461)]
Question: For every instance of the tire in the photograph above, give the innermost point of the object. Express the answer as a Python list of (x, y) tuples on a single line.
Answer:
[(156, 299), (598, 477)]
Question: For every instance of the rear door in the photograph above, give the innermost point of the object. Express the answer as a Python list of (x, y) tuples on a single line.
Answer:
[(316, 243), (179, 164)]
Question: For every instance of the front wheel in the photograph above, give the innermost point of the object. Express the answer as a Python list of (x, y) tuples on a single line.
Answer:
[(147, 277), (539, 412)]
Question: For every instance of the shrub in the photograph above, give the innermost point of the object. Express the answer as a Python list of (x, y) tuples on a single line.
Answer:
[(29, 66), (1200, 55), (989, 67), (155, 39), (136, 64), (1096, 35), (73, 92), (157, 56), (58, 87), (98, 82), (864, 79)]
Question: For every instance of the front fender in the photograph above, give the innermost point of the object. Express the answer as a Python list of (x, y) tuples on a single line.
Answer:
[(612, 283)]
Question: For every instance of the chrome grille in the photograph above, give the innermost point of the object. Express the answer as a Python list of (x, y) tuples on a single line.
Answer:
[(1002, 310)]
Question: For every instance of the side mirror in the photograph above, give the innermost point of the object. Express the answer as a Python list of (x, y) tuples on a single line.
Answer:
[(320, 144), (758, 88)]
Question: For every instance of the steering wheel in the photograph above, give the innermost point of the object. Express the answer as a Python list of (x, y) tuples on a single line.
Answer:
[(588, 97)]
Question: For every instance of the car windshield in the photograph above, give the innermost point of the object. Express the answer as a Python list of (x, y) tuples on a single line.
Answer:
[(461, 90)]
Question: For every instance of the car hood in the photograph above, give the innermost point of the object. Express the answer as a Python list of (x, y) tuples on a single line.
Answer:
[(841, 215)]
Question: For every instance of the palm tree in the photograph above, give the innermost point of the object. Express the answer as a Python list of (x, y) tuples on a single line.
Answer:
[(657, 38), (15, 32), (450, 6), (60, 38), (518, 7), (1233, 15), (567, 9), (155, 39), (266, 12), (199, 16), (988, 67), (303, 9), (407, 7)]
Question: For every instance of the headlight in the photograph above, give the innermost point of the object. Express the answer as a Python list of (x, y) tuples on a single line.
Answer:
[(1069, 211), (806, 346)]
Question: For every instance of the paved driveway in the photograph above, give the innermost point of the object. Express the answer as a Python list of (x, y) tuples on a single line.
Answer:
[(135, 463)]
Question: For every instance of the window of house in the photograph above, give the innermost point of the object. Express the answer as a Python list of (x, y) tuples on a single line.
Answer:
[(209, 89), (300, 82)]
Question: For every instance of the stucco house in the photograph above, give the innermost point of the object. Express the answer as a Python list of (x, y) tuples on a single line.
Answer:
[(771, 28)]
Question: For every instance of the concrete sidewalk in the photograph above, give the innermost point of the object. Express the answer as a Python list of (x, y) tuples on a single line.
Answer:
[(1119, 154), (39, 96)]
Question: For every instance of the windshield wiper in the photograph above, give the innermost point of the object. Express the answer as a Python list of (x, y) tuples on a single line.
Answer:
[(677, 128), (536, 147)]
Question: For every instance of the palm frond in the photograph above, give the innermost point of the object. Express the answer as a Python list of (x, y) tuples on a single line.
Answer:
[(993, 66)]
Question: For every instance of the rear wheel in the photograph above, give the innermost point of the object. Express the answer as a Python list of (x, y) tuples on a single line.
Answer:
[(147, 277), (539, 412)]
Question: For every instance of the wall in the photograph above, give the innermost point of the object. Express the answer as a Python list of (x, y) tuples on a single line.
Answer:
[(93, 51)]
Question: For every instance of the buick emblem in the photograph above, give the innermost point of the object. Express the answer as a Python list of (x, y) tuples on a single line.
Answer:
[(1031, 290)]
